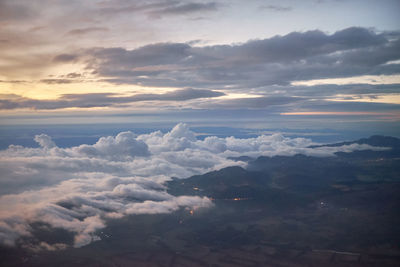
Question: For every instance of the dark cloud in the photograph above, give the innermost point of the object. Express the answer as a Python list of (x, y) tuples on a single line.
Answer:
[(276, 104), (101, 99), (65, 58), (56, 81), (318, 91), (11, 11), (185, 8), (277, 8), (275, 61), (150, 55), (251, 103), (82, 31), (346, 106), (12, 81), (178, 95), (73, 75), (158, 8)]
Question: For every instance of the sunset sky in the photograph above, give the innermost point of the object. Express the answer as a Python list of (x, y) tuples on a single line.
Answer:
[(279, 58)]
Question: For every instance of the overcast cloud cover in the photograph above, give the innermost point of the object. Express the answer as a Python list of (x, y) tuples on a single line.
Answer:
[(265, 70), (172, 54), (79, 188)]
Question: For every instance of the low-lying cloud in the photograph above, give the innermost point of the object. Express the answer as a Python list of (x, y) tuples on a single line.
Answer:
[(90, 100), (79, 188)]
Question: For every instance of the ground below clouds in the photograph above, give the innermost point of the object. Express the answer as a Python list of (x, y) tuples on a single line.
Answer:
[(78, 189)]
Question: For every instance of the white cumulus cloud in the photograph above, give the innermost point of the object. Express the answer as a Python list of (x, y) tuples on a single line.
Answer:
[(79, 188)]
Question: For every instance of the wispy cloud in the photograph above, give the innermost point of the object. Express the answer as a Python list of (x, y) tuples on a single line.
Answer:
[(160, 8), (99, 99), (277, 8), (65, 58), (185, 8), (87, 30)]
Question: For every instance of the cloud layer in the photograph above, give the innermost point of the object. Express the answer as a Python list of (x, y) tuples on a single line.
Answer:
[(12, 101), (279, 60), (267, 69), (78, 188)]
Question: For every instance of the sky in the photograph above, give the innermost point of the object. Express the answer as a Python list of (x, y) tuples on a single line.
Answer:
[(90, 61)]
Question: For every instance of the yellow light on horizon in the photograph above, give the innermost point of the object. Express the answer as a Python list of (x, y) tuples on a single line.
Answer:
[(369, 98), (365, 79), (42, 91)]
